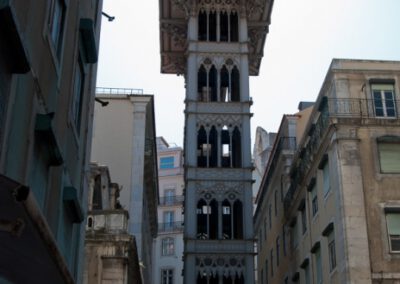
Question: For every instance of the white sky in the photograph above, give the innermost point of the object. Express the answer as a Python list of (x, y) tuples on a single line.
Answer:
[(304, 36)]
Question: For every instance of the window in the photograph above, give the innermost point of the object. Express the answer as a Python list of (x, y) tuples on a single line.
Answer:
[(167, 246), (331, 251), (56, 24), (277, 250), (169, 195), (265, 228), (78, 94), (166, 162), (318, 265), (307, 279), (389, 154), (303, 219), (276, 202), (266, 271), (384, 100), (169, 220), (314, 200), (284, 240), (228, 23), (271, 258), (294, 234), (324, 166), (393, 229), (270, 215), (167, 276)]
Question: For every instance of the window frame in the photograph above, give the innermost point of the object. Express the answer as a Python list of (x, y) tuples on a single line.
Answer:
[(382, 90), (169, 164), (386, 141), (56, 35), (392, 211), (167, 246), (169, 278)]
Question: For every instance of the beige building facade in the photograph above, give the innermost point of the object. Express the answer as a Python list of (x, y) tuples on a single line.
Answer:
[(48, 55), (124, 140), (110, 251), (338, 220)]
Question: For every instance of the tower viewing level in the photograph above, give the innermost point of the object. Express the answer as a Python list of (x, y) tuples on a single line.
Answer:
[(216, 45)]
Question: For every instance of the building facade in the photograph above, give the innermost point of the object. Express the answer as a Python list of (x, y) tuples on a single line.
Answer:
[(110, 251), (48, 55), (168, 247), (216, 45), (124, 140), (339, 221)]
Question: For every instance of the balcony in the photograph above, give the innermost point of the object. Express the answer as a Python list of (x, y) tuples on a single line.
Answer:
[(170, 227), (360, 111), (171, 200), (363, 108)]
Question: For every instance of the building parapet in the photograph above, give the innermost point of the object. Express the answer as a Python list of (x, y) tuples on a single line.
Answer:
[(118, 91)]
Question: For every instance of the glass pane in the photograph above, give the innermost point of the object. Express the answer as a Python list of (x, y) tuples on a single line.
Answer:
[(389, 155), (393, 223)]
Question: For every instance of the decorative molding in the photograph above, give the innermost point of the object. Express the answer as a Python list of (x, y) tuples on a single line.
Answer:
[(219, 5), (219, 191), (221, 265), (256, 33), (177, 31), (254, 6), (231, 120)]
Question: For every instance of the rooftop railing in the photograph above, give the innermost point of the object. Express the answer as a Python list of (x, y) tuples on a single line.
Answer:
[(118, 91)]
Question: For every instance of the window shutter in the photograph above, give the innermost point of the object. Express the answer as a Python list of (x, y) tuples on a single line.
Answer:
[(389, 156)]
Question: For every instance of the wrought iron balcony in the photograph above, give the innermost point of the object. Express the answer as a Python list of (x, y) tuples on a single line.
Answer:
[(170, 227), (171, 200), (335, 108), (363, 108)]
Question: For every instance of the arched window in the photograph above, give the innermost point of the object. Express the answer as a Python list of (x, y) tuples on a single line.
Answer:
[(202, 84), (238, 220), (212, 26), (236, 149), (202, 26), (213, 220), (224, 26), (202, 216), (228, 26), (202, 148), (224, 87), (212, 84), (234, 27), (227, 219), (235, 85), (213, 142), (225, 141)]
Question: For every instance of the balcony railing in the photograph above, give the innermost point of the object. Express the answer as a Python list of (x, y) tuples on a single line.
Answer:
[(170, 227), (365, 108), (339, 108), (171, 200), (118, 91)]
